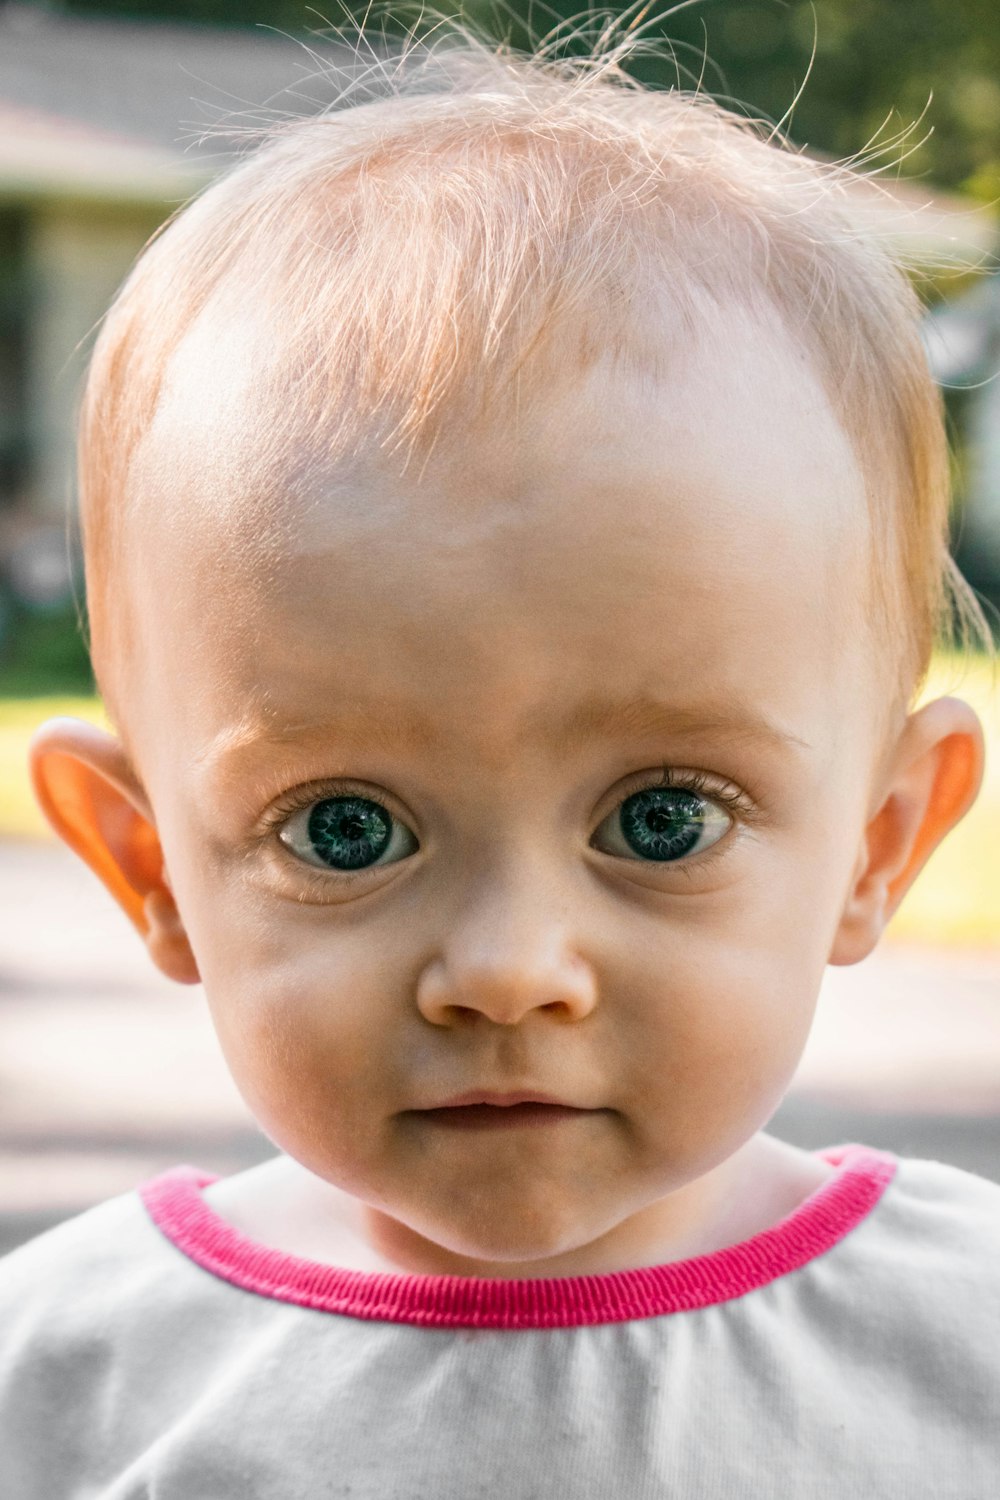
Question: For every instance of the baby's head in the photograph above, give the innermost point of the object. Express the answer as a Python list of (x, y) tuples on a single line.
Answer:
[(515, 520)]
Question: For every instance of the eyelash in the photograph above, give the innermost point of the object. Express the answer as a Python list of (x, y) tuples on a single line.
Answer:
[(737, 804)]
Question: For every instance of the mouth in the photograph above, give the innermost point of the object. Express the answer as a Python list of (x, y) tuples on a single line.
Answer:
[(517, 1115)]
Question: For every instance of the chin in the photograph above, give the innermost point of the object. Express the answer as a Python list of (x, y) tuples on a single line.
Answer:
[(514, 1238)]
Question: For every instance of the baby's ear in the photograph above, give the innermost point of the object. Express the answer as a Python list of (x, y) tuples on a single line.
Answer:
[(932, 781), (89, 792)]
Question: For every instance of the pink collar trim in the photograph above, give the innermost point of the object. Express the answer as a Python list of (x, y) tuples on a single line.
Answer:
[(175, 1204)]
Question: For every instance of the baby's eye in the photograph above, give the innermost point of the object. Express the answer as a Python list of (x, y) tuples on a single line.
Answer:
[(347, 833), (663, 823)]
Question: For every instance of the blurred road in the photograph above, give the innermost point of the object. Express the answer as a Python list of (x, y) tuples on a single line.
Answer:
[(109, 1072)]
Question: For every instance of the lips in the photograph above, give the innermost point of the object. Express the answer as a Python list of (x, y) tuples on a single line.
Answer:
[(480, 1109), (479, 1116), (500, 1101)]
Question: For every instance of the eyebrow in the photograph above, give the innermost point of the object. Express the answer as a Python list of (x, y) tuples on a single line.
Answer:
[(392, 727), (736, 724)]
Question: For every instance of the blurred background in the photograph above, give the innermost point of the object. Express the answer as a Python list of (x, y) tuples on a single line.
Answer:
[(111, 116)]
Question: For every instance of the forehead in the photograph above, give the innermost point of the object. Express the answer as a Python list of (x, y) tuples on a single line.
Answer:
[(696, 538)]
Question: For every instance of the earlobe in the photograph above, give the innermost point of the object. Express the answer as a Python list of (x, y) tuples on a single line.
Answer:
[(90, 794), (935, 775)]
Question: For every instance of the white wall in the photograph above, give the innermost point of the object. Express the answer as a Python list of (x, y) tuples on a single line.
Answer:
[(77, 256)]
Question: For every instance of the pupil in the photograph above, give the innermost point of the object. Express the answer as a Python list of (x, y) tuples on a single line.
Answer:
[(662, 823), (349, 833)]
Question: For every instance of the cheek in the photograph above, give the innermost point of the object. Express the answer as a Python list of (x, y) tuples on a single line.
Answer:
[(307, 1046), (721, 1033), (303, 1007), (717, 1063), (301, 1020), (715, 1011)]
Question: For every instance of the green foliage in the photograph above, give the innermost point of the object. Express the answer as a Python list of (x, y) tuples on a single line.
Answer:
[(43, 652)]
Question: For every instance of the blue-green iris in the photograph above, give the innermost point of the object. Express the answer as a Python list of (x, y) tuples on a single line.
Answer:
[(662, 823), (349, 833), (658, 823)]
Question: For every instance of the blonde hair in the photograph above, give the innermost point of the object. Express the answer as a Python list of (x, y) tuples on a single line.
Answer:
[(416, 253)]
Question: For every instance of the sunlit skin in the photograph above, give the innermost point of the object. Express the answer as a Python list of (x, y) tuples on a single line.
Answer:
[(694, 543)]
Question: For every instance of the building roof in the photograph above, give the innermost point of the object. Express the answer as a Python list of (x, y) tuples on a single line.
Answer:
[(102, 107)]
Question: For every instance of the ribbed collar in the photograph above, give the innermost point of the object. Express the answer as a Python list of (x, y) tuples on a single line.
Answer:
[(176, 1205)]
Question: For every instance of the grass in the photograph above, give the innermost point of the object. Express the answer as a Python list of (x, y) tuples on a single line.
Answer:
[(20, 815), (953, 901)]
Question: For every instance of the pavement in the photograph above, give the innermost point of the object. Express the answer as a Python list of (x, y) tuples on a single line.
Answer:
[(109, 1072)]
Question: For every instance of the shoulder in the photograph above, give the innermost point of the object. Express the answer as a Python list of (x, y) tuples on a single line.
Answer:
[(63, 1296), (84, 1285), (956, 1212), (67, 1256), (929, 1252), (95, 1241), (70, 1280), (100, 1315), (104, 1327)]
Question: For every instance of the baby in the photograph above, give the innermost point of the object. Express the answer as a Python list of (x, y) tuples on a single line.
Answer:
[(515, 513)]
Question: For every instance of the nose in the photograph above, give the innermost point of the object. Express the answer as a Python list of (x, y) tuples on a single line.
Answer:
[(507, 953)]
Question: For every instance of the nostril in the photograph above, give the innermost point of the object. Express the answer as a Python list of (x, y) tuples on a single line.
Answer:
[(452, 992)]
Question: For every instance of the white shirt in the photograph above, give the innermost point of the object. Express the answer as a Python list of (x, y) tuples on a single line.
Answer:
[(852, 1352)]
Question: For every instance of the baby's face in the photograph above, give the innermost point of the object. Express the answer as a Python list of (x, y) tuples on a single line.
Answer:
[(545, 771)]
